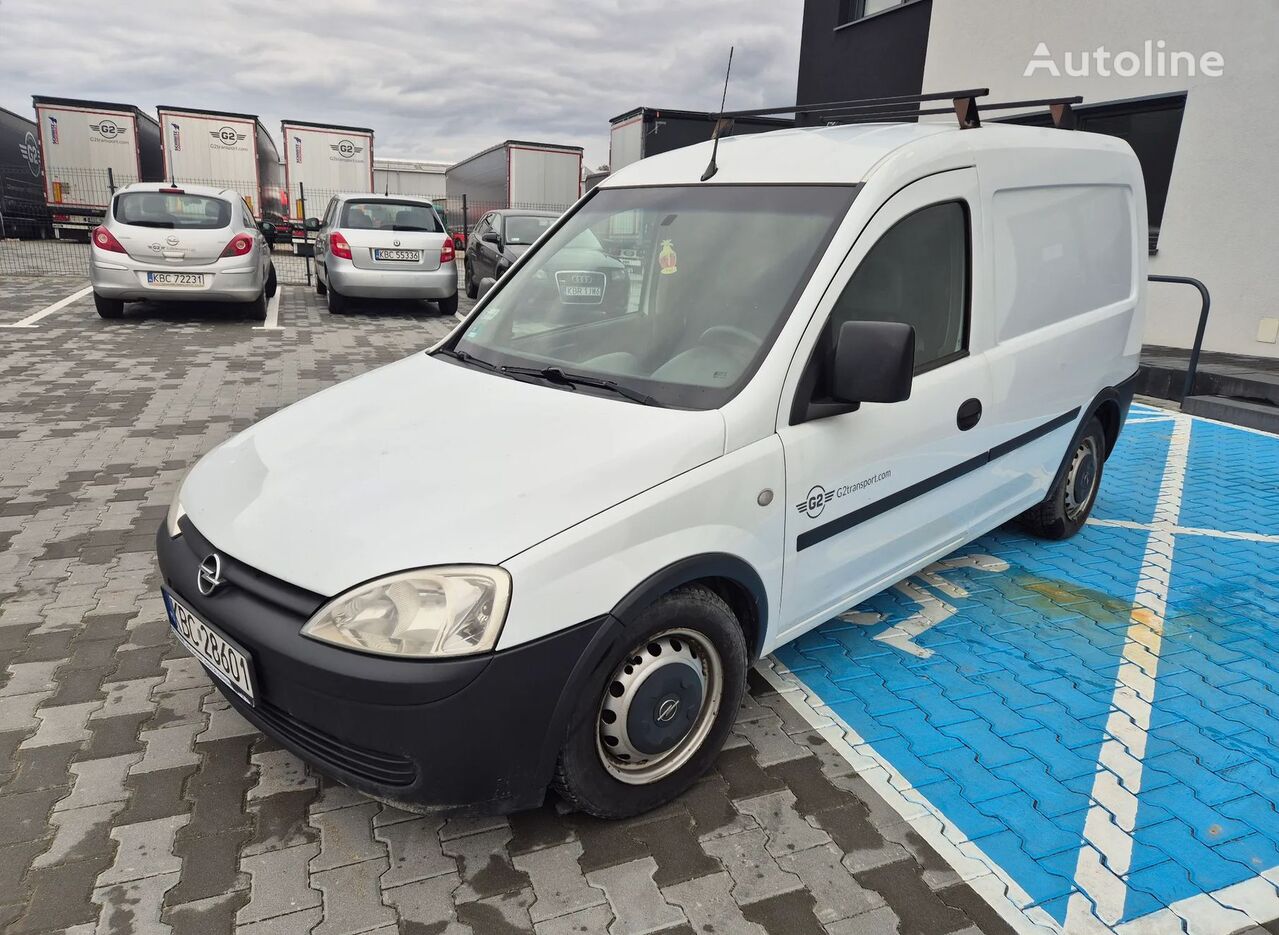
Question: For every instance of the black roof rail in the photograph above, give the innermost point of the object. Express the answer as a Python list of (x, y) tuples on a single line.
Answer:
[(901, 108)]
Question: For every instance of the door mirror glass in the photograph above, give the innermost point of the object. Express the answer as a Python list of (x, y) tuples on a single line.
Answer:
[(313, 224), (874, 362), (491, 237), (485, 285)]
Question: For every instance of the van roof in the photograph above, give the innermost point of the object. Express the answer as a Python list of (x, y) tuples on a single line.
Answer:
[(846, 154)]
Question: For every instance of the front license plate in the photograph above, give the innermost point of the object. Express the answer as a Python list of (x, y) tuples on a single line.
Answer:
[(176, 280), (581, 287), (402, 256), (225, 660)]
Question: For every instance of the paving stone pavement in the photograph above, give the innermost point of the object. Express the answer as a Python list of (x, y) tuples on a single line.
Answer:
[(133, 799)]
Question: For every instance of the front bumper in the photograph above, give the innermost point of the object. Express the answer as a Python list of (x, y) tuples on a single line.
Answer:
[(126, 279), (478, 733), (350, 280)]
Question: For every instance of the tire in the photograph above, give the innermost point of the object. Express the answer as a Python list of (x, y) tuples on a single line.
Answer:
[(271, 283), (692, 630), (338, 304), (1068, 505), (108, 308), (472, 287), (448, 306), (256, 310), (320, 288)]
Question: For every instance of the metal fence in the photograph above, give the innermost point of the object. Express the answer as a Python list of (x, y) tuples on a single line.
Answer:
[(46, 232)]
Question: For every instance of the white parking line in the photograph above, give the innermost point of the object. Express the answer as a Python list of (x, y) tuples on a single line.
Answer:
[(1111, 821), (30, 320), (272, 322)]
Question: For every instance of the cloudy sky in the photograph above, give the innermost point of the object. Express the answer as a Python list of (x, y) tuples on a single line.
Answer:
[(434, 80)]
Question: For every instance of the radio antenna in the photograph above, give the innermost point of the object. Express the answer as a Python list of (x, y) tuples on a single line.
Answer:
[(720, 123)]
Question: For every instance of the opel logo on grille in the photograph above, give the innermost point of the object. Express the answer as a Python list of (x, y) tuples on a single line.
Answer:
[(667, 709), (209, 576)]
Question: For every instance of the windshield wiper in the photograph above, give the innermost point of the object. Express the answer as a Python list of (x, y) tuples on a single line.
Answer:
[(464, 358), (556, 375)]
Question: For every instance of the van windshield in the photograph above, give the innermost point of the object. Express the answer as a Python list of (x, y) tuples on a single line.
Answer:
[(176, 210), (675, 293)]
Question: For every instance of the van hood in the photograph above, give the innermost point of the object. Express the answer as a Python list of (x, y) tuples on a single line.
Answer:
[(425, 462)]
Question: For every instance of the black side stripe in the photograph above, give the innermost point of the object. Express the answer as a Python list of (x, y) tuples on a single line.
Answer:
[(846, 522)]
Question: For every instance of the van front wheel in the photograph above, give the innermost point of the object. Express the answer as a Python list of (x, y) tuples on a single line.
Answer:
[(658, 716), (1070, 502)]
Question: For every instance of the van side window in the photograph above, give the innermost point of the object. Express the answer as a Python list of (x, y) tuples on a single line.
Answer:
[(917, 273)]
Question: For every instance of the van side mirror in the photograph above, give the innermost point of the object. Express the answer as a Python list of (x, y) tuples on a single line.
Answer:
[(487, 283), (312, 224), (874, 362)]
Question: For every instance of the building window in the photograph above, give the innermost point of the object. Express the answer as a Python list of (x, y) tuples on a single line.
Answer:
[(1151, 126), (853, 10)]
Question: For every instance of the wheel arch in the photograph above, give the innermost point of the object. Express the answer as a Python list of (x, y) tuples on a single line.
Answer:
[(1110, 407), (736, 582)]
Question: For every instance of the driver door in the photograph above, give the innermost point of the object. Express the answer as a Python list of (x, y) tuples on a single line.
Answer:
[(874, 494)]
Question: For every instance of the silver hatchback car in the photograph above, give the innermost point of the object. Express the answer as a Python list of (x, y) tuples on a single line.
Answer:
[(189, 243), (384, 247)]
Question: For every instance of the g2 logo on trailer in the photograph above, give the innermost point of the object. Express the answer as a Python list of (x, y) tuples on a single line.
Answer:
[(29, 150), (227, 136), (107, 129), (346, 149)]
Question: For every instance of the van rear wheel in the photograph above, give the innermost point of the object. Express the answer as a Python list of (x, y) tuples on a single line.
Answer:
[(657, 716), (1070, 502)]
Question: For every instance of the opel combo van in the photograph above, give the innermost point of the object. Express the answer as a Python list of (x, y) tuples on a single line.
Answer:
[(849, 352)]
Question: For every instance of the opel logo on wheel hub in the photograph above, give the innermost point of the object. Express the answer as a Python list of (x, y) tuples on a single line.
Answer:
[(209, 576), (667, 710)]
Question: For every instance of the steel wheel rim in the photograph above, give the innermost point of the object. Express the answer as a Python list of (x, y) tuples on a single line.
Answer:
[(637, 771), (1084, 466)]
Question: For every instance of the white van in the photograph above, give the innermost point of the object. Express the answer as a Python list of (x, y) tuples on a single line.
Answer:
[(851, 351)]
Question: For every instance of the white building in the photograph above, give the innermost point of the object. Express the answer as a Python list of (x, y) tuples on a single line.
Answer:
[(1191, 85)]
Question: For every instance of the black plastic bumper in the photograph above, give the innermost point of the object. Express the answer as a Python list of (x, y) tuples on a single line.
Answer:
[(480, 732)]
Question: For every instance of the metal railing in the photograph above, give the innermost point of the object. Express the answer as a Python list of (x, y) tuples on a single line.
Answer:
[(1188, 387)]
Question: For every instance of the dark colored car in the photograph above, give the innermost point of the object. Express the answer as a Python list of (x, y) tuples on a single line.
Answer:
[(584, 282), (498, 240)]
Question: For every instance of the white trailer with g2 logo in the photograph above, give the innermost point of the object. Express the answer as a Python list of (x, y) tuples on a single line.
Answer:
[(225, 150), (323, 160), (89, 150)]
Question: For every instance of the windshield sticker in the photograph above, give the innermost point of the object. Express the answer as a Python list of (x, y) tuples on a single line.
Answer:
[(667, 259)]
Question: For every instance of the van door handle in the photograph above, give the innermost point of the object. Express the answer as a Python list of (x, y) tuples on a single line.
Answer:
[(969, 414)]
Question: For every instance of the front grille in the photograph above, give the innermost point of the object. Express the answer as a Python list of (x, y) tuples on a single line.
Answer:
[(382, 768)]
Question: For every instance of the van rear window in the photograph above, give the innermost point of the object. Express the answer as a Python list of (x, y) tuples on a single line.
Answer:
[(169, 210)]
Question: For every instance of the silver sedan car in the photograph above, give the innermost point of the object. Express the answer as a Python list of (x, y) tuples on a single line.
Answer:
[(189, 243), (384, 246)]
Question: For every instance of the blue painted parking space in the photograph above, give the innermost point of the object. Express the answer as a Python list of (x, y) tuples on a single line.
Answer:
[(1098, 718)]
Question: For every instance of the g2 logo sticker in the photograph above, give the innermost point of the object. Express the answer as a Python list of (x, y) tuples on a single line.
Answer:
[(107, 129), (29, 150), (816, 501), (227, 136), (346, 149)]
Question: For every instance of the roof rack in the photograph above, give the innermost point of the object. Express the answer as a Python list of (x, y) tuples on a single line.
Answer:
[(903, 107)]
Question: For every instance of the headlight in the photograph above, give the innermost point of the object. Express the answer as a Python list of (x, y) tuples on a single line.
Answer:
[(175, 513), (447, 611)]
